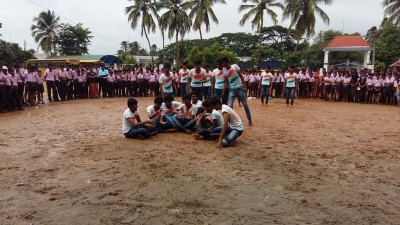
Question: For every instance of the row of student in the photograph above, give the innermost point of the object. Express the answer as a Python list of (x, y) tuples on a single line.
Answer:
[(381, 87), (338, 85), (19, 88), (210, 119)]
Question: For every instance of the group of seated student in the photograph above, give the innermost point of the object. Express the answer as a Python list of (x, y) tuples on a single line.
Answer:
[(210, 119)]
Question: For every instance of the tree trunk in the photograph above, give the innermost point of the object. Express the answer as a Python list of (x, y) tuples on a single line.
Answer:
[(148, 41), (260, 40), (202, 46), (177, 49), (163, 45), (297, 44)]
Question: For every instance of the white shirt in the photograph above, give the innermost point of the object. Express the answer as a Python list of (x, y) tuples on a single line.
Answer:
[(164, 109), (290, 79), (189, 113), (198, 104), (126, 125), (233, 118), (215, 115)]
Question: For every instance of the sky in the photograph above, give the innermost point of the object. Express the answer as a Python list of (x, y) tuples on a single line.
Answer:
[(109, 23)]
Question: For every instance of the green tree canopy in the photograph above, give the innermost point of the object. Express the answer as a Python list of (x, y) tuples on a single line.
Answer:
[(73, 40)]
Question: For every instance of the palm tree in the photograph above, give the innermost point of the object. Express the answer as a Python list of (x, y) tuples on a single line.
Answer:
[(201, 11), (134, 48), (124, 46), (257, 10), (176, 21), (144, 9), (302, 16), (45, 30), (392, 10)]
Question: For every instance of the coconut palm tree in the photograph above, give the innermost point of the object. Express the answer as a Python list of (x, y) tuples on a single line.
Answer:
[(45, 30), (302, 16), (124, 46), (257, 10), (176, 21), (202, 11), (144, 10), (134, 48), (392, 10)]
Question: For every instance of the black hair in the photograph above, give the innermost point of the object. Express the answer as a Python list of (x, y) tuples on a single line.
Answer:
[(268, 67), (219, 60), (167, 64), (191, 94), (225, 59), (197, 62), (205, 103), (167, 98), (186, 97), (215, 101), (132, 101), (158, 100), (184, 63)]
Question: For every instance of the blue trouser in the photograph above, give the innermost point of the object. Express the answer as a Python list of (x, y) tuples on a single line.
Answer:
[(184, 89), (264, 90), (206, 91), (198, 91), (218, 94), (169, 94), (241, 96), (170, 121), (230, 135), (208, 133), (137, 132), (184, 124), (290, 91)]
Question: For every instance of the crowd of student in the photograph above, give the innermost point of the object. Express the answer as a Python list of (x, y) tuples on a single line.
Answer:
[(380, 87), (20, 87)]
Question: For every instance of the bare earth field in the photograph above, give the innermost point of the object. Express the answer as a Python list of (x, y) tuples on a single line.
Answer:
[(317, 163)]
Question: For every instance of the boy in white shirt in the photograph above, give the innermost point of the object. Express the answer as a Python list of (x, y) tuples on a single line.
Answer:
[(132, 125), (186, 113), (232, 127)]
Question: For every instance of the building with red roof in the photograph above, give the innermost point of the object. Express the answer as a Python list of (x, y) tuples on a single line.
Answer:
[(349, 43)]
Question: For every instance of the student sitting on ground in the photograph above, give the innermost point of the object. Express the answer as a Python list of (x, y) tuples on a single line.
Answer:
[(132, 125), (209, 123), (168, 110), (155, 113), (185, 118), (232, 123)]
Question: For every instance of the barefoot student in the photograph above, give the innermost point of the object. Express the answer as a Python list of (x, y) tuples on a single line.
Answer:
[(132, 125), (232, 126)]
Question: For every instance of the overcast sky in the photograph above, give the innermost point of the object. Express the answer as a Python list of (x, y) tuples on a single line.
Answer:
[(108, 21)]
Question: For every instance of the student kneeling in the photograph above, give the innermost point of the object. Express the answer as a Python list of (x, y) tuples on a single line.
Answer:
[(132, 125)]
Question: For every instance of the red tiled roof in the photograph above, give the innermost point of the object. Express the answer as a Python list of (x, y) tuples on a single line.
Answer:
[(348, 41)]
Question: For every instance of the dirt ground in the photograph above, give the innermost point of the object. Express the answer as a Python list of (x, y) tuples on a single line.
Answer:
[(316, 163)]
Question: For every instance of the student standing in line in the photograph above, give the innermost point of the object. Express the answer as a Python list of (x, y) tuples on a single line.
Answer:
[(167, 83), (265, 84)]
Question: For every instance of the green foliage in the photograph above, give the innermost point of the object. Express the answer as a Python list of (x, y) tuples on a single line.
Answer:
[(211, 54), (241, 43), (45, 29), (387, 44), (11, 52), (73, 40)]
